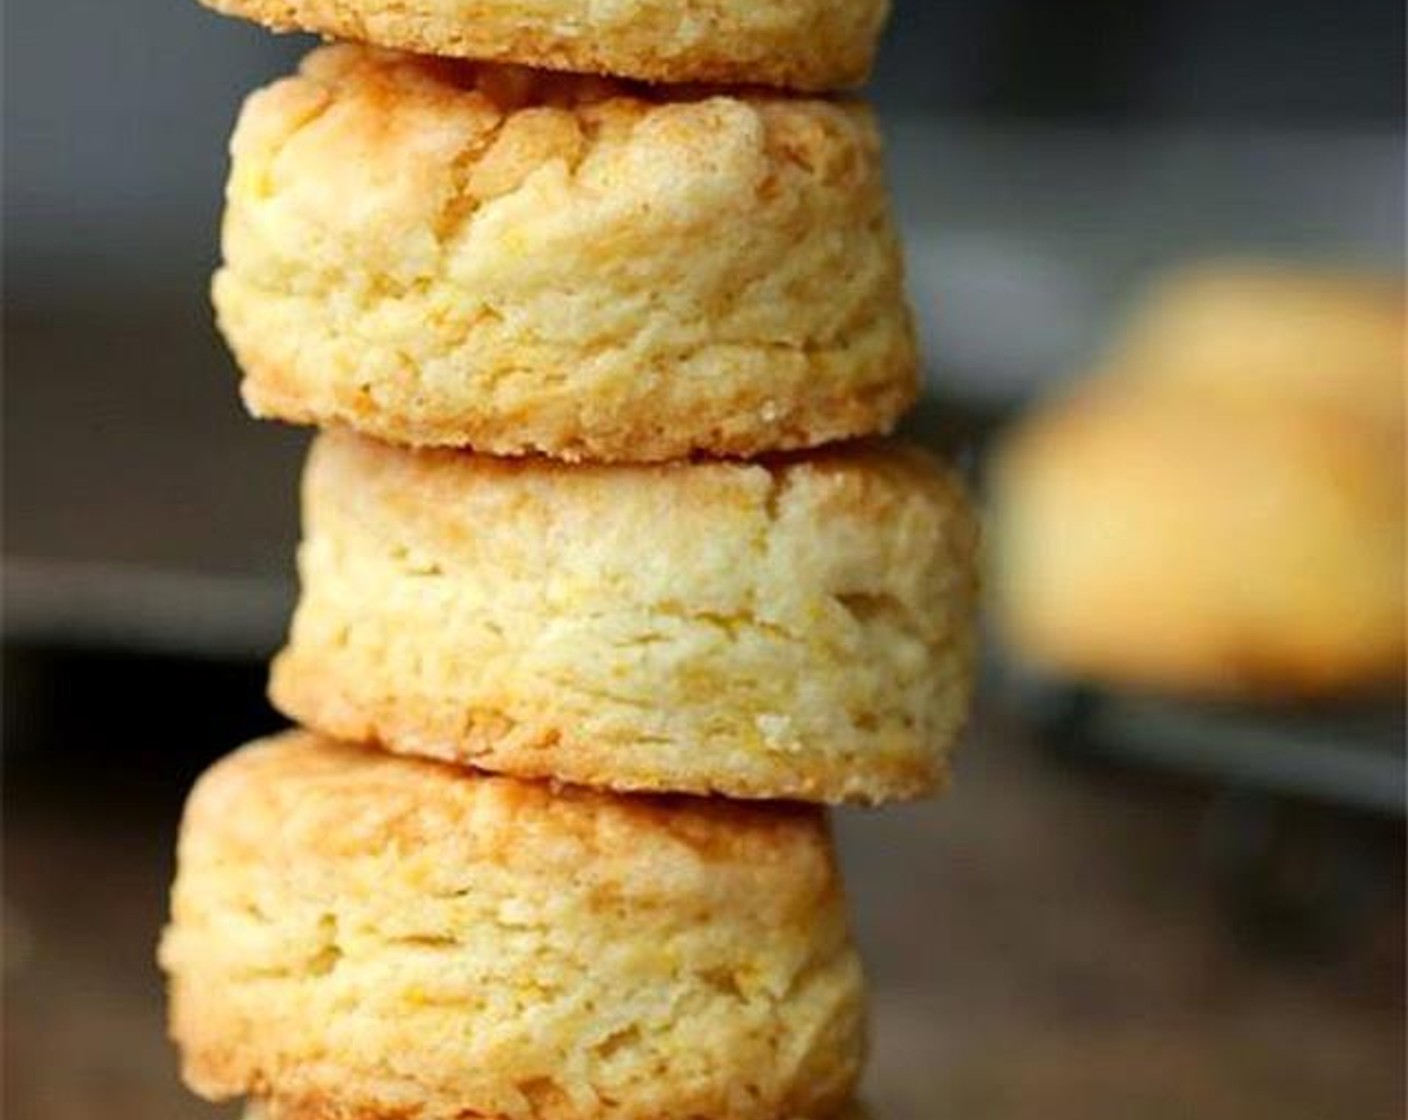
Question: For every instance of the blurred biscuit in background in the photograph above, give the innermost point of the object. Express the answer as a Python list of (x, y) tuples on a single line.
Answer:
[(1272, 332), (1221, 511)]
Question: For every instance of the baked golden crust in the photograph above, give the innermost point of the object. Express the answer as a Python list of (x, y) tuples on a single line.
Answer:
[(1146, 536), (411, 940), (793, 628), (799, 44), (456, 255)]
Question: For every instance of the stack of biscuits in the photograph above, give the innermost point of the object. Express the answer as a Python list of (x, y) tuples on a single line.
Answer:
[(608, 587)]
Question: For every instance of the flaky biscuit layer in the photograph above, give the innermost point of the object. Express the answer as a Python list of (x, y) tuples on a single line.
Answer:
[(793, 628)]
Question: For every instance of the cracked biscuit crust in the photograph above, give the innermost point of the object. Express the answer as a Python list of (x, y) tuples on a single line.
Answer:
[(411, 940), (457, 255), (791, 628), (796, 44)]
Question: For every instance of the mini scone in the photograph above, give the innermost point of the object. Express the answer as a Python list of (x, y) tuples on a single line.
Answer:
[(798, 627), (451, 254), (1273, 333), (798, 44), (360, 936), (1157, 536)]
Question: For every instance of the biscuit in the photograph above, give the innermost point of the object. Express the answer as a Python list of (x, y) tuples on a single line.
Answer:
[(1148, 536), (406, 939), (797, 628), (457, 255), (799, 44), (1273, 332)]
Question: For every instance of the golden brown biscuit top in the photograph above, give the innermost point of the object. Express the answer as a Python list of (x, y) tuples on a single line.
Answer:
[(431, 140), (386, 83), (342, 801)]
